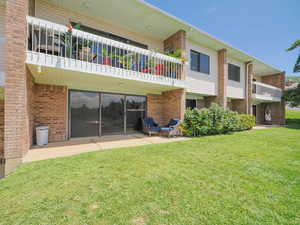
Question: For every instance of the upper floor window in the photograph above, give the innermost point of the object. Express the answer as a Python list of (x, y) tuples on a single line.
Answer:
[(234, 72), (110, 36), (200, 62)]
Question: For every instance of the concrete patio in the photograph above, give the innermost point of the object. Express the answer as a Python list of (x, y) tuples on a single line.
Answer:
[(82, 145)]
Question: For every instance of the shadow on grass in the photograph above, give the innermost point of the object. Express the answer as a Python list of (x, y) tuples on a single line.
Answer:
[(293, 123)]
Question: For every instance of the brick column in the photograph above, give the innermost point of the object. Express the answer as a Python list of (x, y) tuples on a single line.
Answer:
[(222, 78), (248, 85), (175, 42), (277, 108), (16, 130), (170, 104)]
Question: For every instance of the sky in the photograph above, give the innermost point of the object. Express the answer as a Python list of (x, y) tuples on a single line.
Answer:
[(261, 28)]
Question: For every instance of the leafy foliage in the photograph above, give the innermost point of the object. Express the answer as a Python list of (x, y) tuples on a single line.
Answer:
[(215, 120), (292, 96), (295, 45), (246, 122)]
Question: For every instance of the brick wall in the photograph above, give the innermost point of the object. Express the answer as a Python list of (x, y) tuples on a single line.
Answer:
[(155, 104), (175, 42), (277, 80), (1, 128), (200, 103), (222, 77), (277, 108), (50, 108), (170, 104), (30, 107), (16, 137), (277, 112), (174, 105)]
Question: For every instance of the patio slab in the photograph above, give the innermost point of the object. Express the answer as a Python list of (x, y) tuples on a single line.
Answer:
[(78, 146), (259, 127)]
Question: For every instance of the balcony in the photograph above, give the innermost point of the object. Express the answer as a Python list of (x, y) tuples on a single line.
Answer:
[(60, 48), (266, 93)]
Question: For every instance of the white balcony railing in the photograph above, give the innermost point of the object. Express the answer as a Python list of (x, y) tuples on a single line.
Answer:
[(54, 44), (266, 92)]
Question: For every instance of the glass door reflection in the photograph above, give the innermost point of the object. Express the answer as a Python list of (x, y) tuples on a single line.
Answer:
[(112, 114), (85, 114)]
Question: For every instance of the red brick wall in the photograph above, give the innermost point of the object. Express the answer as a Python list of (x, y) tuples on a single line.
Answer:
[(222, 77), (170, 104), (277, 112), (30, 106), (277, 80), (1, 128), (174, 105), (277, 108), (15, 94), (50, 108), (177, 42), (155, 107)]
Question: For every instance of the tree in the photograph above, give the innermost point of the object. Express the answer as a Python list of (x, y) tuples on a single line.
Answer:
[(292, 96), (295, 45)]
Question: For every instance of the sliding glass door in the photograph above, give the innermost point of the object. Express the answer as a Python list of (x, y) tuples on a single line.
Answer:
[(112, 114), (117, 114), (135, 112), (84, 112)]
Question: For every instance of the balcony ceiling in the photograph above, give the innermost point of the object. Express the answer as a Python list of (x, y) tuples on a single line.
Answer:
[(141, 17), (91, 82)]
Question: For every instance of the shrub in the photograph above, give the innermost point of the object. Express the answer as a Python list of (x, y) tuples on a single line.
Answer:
[(246, 122), (215, 120)]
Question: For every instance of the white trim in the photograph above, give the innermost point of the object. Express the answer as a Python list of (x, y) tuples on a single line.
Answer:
[(266, 85)]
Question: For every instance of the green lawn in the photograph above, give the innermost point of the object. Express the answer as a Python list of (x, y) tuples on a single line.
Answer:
[(250, 178)]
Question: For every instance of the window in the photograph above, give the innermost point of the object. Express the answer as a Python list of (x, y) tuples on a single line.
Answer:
[(234, 72), (190, 103), (110, 36), (200, 62)]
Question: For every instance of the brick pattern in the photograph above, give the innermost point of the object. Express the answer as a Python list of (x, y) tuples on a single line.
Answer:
[(277, 113), (170, 104), (238, 105), (200, 103), (50, 108), (222, 77), (175, 42), (15, 94), (30, 106), (209, 100), (249, 78), (1, 128), (277, 80), (277, 108)]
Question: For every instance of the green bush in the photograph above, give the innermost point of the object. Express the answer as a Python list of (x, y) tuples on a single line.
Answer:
[(246, 122), (215, 120)]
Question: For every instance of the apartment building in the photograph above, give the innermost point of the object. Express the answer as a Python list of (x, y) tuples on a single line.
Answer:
[(92, 68)]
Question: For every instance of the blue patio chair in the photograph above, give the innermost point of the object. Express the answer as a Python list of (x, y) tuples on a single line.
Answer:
[(172, 128), (149, 126)]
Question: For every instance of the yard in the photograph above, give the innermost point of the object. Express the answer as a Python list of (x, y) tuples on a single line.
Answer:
[(249, 177)]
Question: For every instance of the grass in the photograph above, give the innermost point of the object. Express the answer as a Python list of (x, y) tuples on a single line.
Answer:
[(250, 177)]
